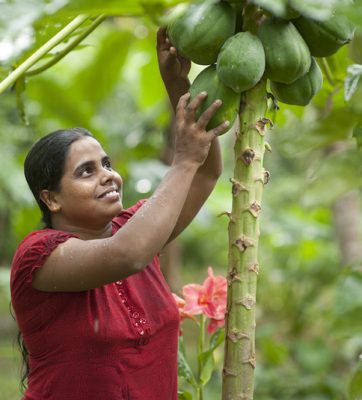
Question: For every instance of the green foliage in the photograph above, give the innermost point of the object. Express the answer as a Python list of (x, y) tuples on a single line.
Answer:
[(354, 73), (184, 369), (357, 134), (206, 358), (183, 395), (309, 307), (355, 387)]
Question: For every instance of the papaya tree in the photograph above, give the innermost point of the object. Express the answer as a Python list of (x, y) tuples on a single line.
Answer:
[(267, 53), (273, 53)]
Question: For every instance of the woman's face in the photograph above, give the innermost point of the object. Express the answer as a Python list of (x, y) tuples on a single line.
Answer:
[(90, 191)]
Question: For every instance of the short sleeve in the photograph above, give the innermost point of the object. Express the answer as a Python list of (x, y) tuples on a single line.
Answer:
[(32, 253)]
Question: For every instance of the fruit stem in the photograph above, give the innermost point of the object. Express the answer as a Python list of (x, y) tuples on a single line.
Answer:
[(327, 72), (249, 18)]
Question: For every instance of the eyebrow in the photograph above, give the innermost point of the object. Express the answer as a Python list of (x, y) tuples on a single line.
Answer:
[(90, 163)]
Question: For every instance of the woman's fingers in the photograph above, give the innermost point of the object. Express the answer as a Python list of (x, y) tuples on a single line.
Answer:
[(161, 36), (186, 111), (220, 129), (206, 116), (193, 105), (181, 105)]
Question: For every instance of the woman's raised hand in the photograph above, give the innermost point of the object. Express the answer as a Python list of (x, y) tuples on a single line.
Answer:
[(193, 140), (172, 65)]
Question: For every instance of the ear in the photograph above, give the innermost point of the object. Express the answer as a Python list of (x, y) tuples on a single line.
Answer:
[(48, 197)]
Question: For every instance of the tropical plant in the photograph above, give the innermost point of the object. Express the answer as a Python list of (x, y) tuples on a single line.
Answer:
[(208, 301), (304, 292)]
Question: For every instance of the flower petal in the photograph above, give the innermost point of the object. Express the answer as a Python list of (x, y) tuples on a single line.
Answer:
[(192, 294), (215, 324)]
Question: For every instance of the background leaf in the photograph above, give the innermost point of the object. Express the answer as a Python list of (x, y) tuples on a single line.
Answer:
[(354, 73), (355, 387), (184, 370)]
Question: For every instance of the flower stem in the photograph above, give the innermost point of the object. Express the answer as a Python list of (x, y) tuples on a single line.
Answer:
[(201, 346)]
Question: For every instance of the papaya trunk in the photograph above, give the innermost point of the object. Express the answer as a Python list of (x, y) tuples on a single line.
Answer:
[(247, 187)]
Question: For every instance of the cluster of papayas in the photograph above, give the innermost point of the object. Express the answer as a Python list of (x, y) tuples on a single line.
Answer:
[(282, 50)]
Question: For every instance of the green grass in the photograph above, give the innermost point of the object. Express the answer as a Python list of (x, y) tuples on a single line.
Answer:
[(9, 370)]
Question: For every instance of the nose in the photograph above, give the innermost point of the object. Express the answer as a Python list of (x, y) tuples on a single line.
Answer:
[(109, 175)]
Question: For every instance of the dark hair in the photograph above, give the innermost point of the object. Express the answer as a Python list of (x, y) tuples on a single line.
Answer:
[(44, 164), (44, 168), (24, 369)]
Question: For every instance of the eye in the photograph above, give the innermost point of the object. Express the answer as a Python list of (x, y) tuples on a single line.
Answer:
[(86, 171), (107, 164)]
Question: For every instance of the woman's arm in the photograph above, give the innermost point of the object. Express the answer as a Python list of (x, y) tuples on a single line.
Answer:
[(79, 265), (174, 70)]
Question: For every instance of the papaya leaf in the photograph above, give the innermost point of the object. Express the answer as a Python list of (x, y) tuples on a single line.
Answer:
[(355, 386), (116, 7), (184, 369), (184, 395), (354, 73)]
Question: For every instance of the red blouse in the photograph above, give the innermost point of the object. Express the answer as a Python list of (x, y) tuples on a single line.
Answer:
[(115, 342)]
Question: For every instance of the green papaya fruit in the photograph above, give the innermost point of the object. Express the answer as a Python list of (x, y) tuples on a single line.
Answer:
[(324, 38), (241, 62), (202, 29), (301, 91), (208, 81), (286, 54)]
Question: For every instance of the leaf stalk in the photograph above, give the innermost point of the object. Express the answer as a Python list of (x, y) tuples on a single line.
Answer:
[(67, 49), (38, 54)]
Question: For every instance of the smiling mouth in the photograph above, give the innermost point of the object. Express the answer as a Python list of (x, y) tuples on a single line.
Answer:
[(113, 193)]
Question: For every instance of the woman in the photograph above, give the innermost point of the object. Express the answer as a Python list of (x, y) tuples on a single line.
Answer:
[(95, 313)]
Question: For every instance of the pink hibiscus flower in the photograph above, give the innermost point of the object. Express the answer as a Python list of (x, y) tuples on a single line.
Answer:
[(180, 303), (208, 299)]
